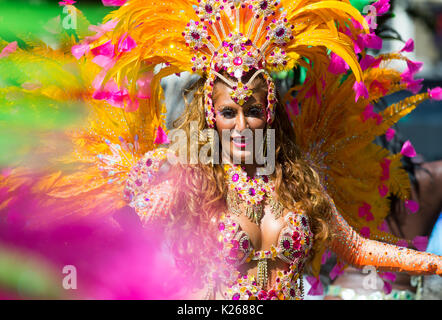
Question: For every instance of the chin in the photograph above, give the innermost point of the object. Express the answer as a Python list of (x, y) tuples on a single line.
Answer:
[(246, 157)]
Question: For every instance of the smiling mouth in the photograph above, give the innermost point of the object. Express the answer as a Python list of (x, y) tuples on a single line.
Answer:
[(241, 142)]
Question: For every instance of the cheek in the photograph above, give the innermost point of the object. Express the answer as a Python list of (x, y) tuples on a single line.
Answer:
[(256, 123), (223, 123)]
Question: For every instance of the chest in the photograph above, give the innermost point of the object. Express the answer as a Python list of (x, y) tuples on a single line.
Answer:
[(262, 236), (288, 238)]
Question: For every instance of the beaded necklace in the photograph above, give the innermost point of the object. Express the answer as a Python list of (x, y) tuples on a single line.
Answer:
[(249, 193)]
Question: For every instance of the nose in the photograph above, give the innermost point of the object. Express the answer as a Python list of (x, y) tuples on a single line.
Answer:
[(241, 121)]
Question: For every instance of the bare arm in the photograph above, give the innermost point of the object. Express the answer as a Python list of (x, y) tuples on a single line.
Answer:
[(359, 252)]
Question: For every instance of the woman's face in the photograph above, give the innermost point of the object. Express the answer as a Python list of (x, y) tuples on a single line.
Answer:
[(236, 118)]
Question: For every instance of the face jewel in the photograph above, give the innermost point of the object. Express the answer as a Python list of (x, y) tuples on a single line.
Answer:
[(240, 93)]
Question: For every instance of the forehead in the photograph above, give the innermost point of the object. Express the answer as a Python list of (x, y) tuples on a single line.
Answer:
[(222, 93)]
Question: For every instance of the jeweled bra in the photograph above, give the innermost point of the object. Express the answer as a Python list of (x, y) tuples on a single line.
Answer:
[(293, 247)]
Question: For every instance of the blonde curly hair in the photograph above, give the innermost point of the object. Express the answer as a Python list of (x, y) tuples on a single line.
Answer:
[(200, 199)]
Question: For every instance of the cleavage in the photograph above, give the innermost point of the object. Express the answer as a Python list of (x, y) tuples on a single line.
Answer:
[(266, 234)]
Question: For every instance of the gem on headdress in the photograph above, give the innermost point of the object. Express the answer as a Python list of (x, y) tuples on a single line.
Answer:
[(209, 10), (264, 8), (277, 58), (237, 61), (195, 35), (280, 32)]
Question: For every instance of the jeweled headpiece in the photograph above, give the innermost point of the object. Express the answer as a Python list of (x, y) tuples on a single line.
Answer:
[(227, 39)]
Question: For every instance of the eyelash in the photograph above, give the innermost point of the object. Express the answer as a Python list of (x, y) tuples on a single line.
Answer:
[(254, 111)]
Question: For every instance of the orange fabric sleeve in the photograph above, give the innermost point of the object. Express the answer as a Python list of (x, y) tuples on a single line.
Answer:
[(359, 251)]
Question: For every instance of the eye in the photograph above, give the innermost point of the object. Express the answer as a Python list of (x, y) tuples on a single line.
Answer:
[(255, 111), (227, 112)]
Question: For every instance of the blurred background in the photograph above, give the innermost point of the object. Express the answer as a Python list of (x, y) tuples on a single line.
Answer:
[(417, 19), (422, 21)]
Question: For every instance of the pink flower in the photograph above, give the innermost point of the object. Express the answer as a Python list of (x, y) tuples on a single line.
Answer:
[(293, 107), (372, 41), (360, 90), (364, 211), (402, 243), (409, 46), (359, 44), (378, 85), (387, 287), (384, 227), (365, 232), (385, 165), (103, 61), (103, 28), (357, 24), (10, 48), (412, 206), (67, 2), (144, 85), (106, 49), (327, 255), (414, 66), (383, 190), (414, 85), (390, 276), (435, 94), (113, 3), (389, 134), (161, 137), (337, 270), (132, 105), (79, 50), (382, 7), (126, 43), (408, 149), (420, 243), (100, 30), (316, 286), (337, 64), (369, 61), (369, 114)]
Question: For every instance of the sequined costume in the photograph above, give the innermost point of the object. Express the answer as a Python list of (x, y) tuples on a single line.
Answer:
[(116, 160), (294, 242)]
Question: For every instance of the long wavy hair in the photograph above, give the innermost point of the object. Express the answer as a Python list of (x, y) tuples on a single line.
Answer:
[(200, 198)]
